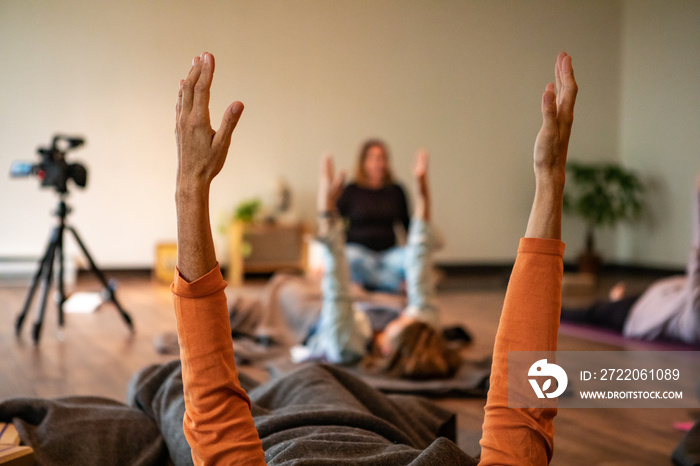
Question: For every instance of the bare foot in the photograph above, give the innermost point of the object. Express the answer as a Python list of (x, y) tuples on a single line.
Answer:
[(617, 292), (420, 172)]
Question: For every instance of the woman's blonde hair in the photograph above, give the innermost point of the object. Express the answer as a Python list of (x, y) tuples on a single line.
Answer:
[(420, 352), (360, 175)]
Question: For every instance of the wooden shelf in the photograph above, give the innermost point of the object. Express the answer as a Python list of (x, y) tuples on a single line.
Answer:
[(264, 248)]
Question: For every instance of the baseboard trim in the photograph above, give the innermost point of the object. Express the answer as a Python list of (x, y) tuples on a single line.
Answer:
[(457, 269), (118, 273), (450, 269), (494, 268)]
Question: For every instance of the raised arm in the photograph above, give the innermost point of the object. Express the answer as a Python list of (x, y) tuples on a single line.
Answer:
[(530, 316), (201, 154), (550, 152), (420, 288), (218, 423)]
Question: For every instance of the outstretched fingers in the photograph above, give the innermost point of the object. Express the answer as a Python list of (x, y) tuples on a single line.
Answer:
[(420, 172), (557, 105), (222, 138), (188, 86), (330, 184), (549, 109), (551, 147), (420, 169), (557, 74), (202, 85), (566, 88), (201, 150), (325, 179), (327, 168), (335, 181), (178, 105)]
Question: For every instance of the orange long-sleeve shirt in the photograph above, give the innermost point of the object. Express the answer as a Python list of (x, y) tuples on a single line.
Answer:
[(529, 322), (218, 423)]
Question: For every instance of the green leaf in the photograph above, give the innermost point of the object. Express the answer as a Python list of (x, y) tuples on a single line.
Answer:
[(246, 210), (603, 194)]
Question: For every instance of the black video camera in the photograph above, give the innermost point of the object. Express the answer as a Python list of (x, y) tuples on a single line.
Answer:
[(53, 170)]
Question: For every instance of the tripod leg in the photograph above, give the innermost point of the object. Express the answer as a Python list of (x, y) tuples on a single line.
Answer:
[(60, 286), (46, 290), (45, 261), (98, 273)]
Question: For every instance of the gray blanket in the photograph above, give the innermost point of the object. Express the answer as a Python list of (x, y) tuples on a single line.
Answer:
[(319, 414), (263, 330)]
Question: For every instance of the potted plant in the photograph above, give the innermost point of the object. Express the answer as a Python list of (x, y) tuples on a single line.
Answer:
[(247, 210), (603, 195), (244, 215)]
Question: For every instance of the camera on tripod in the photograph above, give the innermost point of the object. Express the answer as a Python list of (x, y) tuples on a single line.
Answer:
[(53, 170)]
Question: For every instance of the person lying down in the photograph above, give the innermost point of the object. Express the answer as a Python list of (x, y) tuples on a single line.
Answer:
[(411, 345), (669, 309), (221, 424)]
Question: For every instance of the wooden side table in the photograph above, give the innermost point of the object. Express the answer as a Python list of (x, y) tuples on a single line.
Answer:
[(264, 248)]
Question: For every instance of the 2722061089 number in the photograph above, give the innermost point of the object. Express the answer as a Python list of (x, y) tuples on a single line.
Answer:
[(639, 374)]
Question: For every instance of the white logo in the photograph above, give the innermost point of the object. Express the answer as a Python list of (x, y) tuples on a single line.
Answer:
[(543, 368)]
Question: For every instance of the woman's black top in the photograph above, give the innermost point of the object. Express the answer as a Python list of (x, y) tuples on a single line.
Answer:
[(372, 213)]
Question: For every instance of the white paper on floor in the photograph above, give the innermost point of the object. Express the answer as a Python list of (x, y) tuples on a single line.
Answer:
[(83, 302)]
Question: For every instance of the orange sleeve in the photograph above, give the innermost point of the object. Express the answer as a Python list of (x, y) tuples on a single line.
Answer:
[(218, 423), (529, 322)]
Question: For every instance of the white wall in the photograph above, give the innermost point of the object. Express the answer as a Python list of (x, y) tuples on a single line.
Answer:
[(660, 128), (461, 78)]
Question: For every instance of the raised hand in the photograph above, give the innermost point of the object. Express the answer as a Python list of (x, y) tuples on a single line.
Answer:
[(201, 154), (201, 150), (330, 185), (420, 172), (551, 147), (552, 141)]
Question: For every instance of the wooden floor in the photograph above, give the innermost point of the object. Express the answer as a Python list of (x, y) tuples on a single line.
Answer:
[(96, 355)]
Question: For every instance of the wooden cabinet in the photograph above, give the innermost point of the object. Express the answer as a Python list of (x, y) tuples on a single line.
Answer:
[(264, 248)]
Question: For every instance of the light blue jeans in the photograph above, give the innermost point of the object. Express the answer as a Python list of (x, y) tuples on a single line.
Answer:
[(344, 332), (381, 271)]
